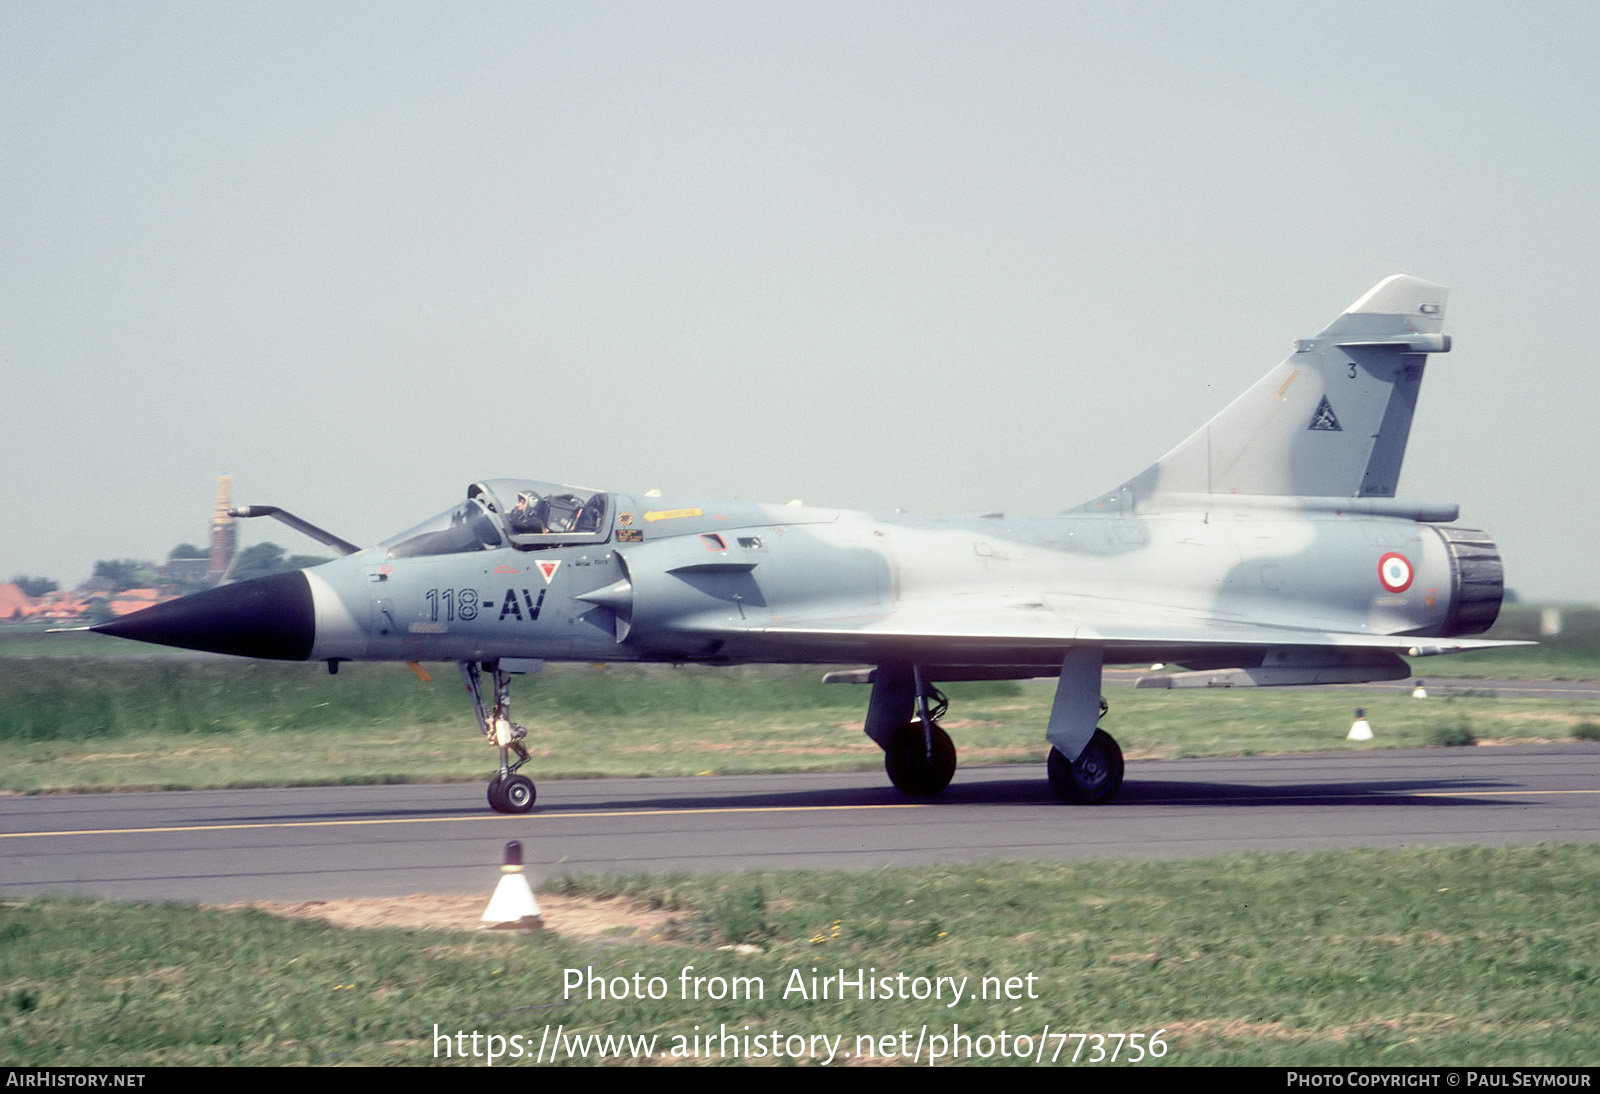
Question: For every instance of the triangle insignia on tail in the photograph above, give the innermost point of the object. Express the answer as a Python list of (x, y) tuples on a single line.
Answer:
[(1324, 418)]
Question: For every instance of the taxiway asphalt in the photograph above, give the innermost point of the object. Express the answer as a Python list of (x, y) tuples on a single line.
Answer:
[(331, 842)]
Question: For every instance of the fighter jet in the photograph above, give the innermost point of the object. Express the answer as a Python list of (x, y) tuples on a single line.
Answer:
[(1268, 548)]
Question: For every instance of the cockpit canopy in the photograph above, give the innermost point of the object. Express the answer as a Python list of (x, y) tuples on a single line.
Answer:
[(521, 513)]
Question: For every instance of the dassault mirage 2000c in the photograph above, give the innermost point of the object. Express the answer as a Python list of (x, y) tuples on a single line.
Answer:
[(1268, 548)]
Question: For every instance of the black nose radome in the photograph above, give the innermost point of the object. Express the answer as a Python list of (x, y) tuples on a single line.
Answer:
[(270, 616)]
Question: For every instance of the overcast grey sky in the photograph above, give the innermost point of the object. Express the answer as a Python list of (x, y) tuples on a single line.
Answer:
[(940, 257)]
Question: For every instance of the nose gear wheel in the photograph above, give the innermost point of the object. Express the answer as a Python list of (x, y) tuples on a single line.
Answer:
[(513, 794)]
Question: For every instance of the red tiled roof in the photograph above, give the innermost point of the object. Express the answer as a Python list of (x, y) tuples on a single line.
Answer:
[(136, 600), (14, 603)]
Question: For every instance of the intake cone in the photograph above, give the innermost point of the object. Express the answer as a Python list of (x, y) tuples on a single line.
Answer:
[(270, 616)]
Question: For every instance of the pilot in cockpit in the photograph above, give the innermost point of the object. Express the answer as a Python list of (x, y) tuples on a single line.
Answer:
[(527, 518)]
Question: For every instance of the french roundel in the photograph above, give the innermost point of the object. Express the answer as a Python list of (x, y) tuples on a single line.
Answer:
[(1394, 572)]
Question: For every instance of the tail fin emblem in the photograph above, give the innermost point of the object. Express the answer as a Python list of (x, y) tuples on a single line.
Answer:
[(1324, 418)]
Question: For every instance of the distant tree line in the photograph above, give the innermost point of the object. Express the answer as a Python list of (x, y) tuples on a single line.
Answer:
[(34, 586), (268, 558)]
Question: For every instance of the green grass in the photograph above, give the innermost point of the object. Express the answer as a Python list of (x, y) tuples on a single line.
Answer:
[(87, 724), (1574, 654), (1449, 956)]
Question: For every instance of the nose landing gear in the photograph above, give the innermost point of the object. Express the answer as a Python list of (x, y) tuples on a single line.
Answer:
[(508, 791)]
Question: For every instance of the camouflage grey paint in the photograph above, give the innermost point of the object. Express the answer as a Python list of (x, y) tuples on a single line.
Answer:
[(1267, 548), (1330, 421)]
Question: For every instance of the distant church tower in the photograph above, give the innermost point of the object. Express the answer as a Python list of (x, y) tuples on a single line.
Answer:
[(224, 536)]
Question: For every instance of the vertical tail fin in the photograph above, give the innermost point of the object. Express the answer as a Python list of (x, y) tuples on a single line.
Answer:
[(1331, 421)]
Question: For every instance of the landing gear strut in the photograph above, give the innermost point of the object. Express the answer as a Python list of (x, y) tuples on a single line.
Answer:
[(1085, 764), (919, 756), (508, 791)]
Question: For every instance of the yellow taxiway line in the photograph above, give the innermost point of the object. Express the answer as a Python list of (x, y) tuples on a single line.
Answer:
[(583, 815), (451, 820)]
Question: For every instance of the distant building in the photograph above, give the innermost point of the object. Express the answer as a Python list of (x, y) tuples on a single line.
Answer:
[(15, 605), (133, 600), (99, 594), (59, 607), (224, 533)]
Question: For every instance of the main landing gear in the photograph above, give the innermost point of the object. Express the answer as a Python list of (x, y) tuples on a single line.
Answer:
[(921, 759), (508, 791), (1094, 778), (920, 756)]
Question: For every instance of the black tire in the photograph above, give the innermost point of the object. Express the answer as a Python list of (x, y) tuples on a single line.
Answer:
[(909, 766), (497, 797), (1094, 779), (519, 794)]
